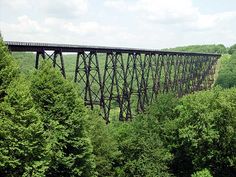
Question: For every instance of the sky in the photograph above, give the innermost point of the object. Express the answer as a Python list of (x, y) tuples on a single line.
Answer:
[(153, 24)]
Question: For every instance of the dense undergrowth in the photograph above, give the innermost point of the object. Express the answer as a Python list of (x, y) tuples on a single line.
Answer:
[(47, 131)]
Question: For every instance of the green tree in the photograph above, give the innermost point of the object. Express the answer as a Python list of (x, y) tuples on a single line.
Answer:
[(232, 49), (140, 141), (227, 74), (64, 117), (105, 145), (205, 133), (22, 145), (8, 69)]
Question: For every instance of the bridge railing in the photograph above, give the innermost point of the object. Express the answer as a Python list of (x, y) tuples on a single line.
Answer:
[(128, 79)]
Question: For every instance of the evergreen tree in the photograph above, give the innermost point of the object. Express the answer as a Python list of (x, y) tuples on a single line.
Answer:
[(8, 69), (64, 117), (22, 146)]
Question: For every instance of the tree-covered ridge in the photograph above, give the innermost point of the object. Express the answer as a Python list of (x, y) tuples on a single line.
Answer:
[(210, 48)]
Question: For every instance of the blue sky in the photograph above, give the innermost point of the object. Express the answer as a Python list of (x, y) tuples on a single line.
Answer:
[(128, 23)]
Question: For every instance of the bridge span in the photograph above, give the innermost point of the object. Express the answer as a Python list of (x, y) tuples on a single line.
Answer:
[(130, 78)]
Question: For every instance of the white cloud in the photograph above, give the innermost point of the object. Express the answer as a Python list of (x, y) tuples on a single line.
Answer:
[(214, 21), (83, 28), (59, 30), (87, 28), (65, 8), (15, 4), (57, 8), (24, 25), (132, 23), (119, 4), (181, 20), (168, 11)]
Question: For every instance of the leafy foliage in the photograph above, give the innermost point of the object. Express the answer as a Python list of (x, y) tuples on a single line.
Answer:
[(202, 173), (22, 145), (232, 49), (105, 145), (205, 133), (143, 152), (8, 69), (64, 118), (227, 73)]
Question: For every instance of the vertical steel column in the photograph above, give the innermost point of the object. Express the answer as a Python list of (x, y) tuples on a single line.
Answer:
[(62, 68), (176, 65), (119, 82), (53, 57), (94, 82), (54, 60), (81, 73), (158, 73), (128, 86), (147, 80), (138, 74), (38, 54), (154, 66), (108, 84)]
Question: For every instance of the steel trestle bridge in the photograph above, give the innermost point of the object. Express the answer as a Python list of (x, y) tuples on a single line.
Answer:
[(130, 78)]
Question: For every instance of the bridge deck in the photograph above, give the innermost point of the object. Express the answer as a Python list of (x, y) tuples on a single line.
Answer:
[(34, 47)]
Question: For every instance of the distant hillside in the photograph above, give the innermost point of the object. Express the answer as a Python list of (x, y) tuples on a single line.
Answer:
[(212, 48)]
